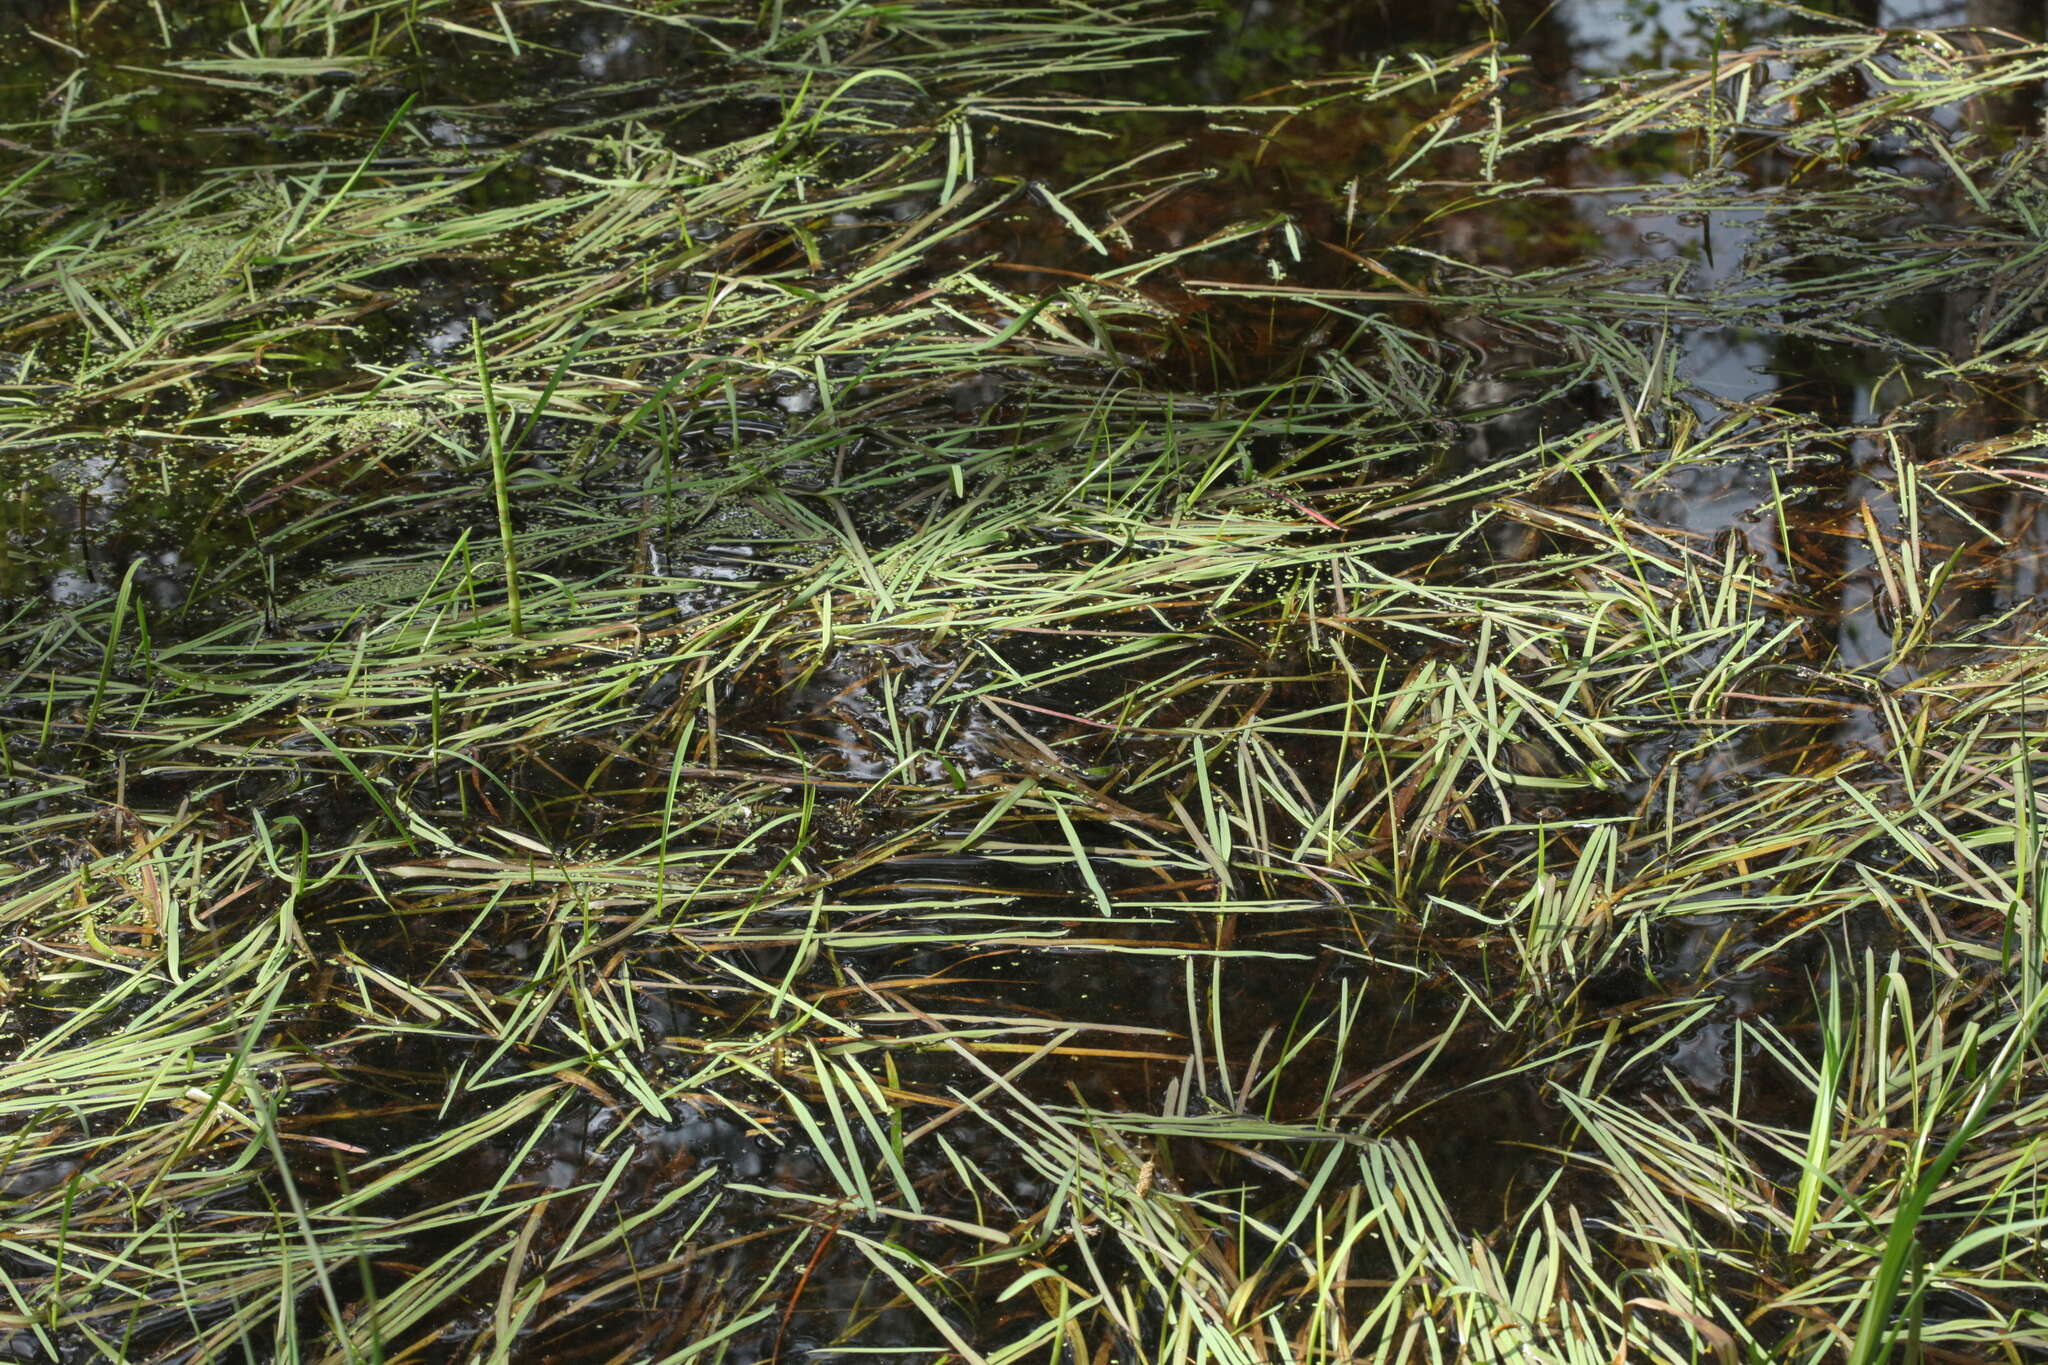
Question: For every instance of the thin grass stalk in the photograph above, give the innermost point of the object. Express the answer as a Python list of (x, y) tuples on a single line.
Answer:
[(1876, 1332), (500, 486)]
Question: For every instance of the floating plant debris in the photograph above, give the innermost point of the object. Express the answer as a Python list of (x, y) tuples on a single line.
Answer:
[(1057, 682)]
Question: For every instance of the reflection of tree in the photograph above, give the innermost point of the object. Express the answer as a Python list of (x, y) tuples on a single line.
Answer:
[(1259, 44), (2006, 575), (1903, 423), (2023, 17)]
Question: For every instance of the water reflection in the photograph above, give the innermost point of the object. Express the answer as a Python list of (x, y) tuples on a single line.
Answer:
[(1642, 348)]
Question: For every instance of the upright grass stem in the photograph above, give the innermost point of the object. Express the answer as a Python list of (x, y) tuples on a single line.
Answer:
[(500, 487), (1876, 1332)]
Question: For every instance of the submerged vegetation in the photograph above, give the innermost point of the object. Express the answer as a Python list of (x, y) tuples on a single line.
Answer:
[(1059, 682)]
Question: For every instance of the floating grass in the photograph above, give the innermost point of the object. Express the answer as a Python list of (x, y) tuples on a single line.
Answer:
[(1422, 749), (500, 477)]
